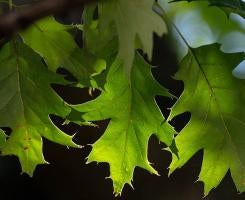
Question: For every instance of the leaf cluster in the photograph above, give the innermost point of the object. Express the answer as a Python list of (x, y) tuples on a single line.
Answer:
[(209, 41)]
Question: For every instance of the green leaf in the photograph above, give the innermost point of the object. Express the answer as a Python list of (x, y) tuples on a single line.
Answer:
[(26, 101), (53, 42), (127, 16), (237, 6), (84, 66), (199, 25), (233, 40), (134, 117), (215, 99), (101, 43)]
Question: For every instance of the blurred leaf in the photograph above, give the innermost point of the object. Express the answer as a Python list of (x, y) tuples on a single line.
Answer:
[(197, 24), (127, 16), (236, 6)]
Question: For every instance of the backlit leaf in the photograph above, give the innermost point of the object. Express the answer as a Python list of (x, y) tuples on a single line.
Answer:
[(134, 117), (56, 45), (26, 101), (135, 22), (214, 97)]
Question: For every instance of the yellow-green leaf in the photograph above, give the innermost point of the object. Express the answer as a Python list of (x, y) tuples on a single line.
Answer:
[(134, 117)]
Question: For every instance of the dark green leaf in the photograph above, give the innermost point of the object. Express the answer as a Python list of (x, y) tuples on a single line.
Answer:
[(26, 101)]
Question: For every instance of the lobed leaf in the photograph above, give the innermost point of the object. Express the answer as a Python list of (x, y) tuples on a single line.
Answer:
[(56, 45), (134, 117), (127, 16), (199, 25), (26, 101), (214, 97)]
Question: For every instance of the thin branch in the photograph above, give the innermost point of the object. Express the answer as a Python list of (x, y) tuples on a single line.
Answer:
[(10, 4), (17, 19)]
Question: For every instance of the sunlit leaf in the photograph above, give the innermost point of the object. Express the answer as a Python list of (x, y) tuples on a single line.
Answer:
[(134, 117), (214, 97), (56, 45)]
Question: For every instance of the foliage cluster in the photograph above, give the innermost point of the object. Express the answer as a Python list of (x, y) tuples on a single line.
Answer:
[(209, 37)]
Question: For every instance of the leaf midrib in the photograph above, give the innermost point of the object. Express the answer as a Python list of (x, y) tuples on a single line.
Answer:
[(16, 52), (217, 104), (200, 67)]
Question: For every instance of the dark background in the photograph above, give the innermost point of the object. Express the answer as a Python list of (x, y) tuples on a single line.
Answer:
[(69, 178)]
